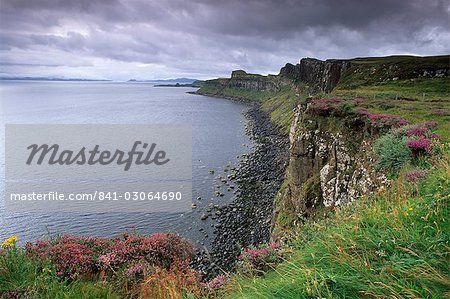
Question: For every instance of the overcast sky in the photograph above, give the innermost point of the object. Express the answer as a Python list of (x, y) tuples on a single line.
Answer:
[(148, 39)]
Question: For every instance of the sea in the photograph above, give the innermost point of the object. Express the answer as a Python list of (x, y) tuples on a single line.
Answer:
[(218, 141)]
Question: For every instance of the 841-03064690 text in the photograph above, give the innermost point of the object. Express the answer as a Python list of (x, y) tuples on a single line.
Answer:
[(99, 196)]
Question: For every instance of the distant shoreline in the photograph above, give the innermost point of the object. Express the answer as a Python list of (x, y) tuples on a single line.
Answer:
[(178, 85)]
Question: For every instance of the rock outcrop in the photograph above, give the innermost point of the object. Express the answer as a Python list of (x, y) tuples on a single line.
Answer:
[(324, 76), (240, 80), (318, 75), (331, 163)]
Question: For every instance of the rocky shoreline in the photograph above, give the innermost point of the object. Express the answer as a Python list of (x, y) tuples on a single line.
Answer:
[(247, 220)]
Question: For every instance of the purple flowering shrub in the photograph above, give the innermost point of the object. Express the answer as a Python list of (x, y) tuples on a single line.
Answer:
[(341, 108), (216, 283), (405, 143), (70, 255), (324, 107), (416, 175), (382, 121), (420, 138), (73, 256), (421, 145), (260, 259)]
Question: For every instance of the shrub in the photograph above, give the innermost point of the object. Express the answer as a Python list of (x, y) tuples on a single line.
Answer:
[(347, 108), (392, 152), (420, 137), (71, 255), (359, 101), (416, 175), (74, 256), (382, 121), (159, 250), (362, 111), (216, 283), (440, 112), (324, 107), (260, 259), (180, 281), (422, 145)]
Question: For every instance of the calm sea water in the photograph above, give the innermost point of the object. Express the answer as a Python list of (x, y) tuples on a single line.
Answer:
[(218, 138)]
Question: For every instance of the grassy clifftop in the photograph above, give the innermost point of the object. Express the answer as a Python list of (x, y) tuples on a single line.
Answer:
[(393, 244)]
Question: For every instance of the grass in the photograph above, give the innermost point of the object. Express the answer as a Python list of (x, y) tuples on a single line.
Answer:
[(247, 95), (22, 277), (281, 107), (416, 103), (393, 244), (422, 88)]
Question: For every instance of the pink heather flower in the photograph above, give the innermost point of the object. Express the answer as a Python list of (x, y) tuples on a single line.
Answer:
[(105, 261), (417, 132), (416, 175), (430, 124), (422, 144), (387, 120), (324, 107), (362, 111), (73, 256), (359, 101), (217, 282), (274, 246), (135, 270)]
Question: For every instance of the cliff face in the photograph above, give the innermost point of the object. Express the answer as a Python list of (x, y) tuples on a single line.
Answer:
[(324, 76), (330, 163), (240, 80), (319, 76)]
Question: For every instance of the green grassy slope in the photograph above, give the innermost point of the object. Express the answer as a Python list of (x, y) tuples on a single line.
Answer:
[(392, 245)]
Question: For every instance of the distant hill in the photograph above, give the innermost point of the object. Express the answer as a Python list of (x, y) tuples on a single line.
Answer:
[(196, 83)]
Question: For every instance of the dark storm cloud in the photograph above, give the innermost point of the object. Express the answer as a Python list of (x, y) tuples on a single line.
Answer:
[(119, 38)]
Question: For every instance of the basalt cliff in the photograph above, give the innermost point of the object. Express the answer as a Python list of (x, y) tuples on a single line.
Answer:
[(331, 157)]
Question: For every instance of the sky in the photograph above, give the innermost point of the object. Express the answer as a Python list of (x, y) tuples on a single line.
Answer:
[(157, 39)]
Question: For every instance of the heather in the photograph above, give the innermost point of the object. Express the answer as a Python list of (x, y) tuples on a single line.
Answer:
[(258, 260), (354, 109), (73, 256), (132, 265), (416, 175)]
